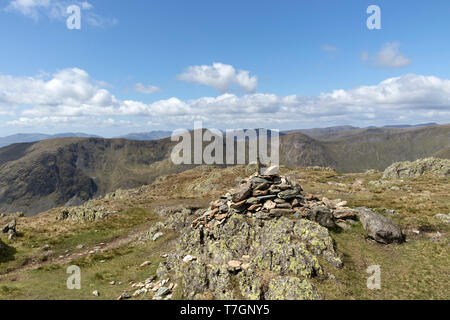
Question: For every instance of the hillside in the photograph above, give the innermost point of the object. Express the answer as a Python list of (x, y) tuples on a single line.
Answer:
[(148, 242), (35, 177)]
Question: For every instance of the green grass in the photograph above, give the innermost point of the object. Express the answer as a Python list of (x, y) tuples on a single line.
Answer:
[(97, 271)]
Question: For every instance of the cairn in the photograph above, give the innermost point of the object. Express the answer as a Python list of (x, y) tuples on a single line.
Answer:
[(269, 195)]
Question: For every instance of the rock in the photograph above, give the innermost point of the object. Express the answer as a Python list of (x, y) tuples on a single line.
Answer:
[(124, 296), (322, 215), (378, 227), (342, 224), (157, 235), (280, 212), (242, 192), (443, 217), (255, 206), (96, 293), (288, 194), (270, 171), (46, 247), (252, 200), (145, 263), (188, 258), (86, 212), (10, 226), (344, 213), (341, 204), (258, 193), (285, 205), (391, 212), (328, 203), (80, 246), (259, 180), (291, 288), (407, 169), (269, 204), (234, 265), (112, 283)]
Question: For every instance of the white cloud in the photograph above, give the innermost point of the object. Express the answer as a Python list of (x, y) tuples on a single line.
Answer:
[(220, 76), (57, 10), (71, 98), (146, 89), (388, 57), (28, 8)]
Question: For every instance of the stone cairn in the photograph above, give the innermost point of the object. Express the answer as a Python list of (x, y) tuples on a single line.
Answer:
[(269, 195)]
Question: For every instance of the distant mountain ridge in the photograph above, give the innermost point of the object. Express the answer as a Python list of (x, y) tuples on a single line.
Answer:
[(33, 137), (37, 176), (161, 134)]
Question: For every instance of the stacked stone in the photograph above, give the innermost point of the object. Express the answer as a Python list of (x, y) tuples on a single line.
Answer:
[(271, 196)]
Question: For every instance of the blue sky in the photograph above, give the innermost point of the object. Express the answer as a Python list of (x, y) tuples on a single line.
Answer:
[(145, 65)]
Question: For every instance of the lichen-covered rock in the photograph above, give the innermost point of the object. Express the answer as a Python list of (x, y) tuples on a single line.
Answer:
[(194, 280), (407, 169), (291, 288), (83, 213), (281, 246), (318, 240), (250, 285), (379, 227)]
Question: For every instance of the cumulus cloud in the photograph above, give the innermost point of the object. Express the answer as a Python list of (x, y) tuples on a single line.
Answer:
[(220, 76), (71, 97), (57, 10), (28, 8), (388, 57), (146, 89)]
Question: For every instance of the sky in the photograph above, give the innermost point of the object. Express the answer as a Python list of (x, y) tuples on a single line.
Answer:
[(143, 65)]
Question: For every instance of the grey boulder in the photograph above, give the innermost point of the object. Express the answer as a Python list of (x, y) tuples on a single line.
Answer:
[(378, 227)]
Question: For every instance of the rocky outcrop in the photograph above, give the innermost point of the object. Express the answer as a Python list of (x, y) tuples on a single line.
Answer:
[(379, 228), (86, 212), (255, 242), (10, 229), (407, 169)]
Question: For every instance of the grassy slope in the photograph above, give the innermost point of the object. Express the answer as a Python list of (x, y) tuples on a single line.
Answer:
[(417, 269)]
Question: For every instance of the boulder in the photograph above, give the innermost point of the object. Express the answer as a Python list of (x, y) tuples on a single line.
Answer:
[(378, 227), (10, 226), (322, 215), (407, 169)]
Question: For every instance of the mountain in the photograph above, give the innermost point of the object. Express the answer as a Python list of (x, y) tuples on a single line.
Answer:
[(33, 137), (37, 176), (152, 135), (412, 126)]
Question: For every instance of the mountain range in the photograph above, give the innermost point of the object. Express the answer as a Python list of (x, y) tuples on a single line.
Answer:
[(161, 134), (37, 176)]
